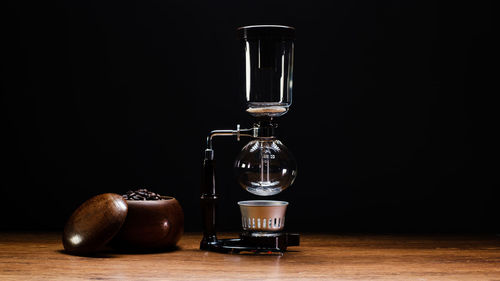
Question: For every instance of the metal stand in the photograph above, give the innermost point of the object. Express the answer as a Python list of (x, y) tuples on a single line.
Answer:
[(278, 242), (248, 241)]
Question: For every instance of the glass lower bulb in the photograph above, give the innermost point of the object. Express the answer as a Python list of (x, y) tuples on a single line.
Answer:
[(265, 167)]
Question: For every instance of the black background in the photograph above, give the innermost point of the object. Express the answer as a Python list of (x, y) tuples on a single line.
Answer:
[(393, 123)]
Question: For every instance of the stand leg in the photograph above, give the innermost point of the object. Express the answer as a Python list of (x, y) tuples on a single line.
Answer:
[(208, 204)]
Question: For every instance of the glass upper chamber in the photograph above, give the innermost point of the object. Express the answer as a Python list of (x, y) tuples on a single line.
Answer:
[(265, 167), (268, 68)]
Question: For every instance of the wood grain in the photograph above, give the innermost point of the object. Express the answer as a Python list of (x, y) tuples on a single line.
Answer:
[(151, 224), (94, 223), (320, 257)]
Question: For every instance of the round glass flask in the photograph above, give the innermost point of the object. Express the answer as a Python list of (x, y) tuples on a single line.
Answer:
[(265, 167)]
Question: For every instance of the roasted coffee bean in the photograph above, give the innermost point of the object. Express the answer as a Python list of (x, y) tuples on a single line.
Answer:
[(141, 194)]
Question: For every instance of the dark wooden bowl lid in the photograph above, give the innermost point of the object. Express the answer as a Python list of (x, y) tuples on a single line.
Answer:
[(94, 224)]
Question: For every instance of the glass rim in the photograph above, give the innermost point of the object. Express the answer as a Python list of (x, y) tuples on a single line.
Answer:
[(262, 203)]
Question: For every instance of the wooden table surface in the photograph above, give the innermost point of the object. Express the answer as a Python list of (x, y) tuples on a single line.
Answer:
[(32, 256)]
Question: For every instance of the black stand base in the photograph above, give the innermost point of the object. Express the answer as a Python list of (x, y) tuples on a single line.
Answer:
[(253, 242)]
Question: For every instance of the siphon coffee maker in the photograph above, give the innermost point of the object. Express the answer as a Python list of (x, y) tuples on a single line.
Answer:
[(264, 166)]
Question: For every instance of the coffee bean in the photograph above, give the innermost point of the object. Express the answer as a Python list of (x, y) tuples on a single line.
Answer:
[(141, 194)]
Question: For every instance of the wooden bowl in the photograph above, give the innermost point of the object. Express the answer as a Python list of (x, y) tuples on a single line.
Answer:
[(151, 225)]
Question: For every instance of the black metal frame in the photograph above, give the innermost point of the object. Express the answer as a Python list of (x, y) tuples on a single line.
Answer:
[(272, 242), (255, 244)]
